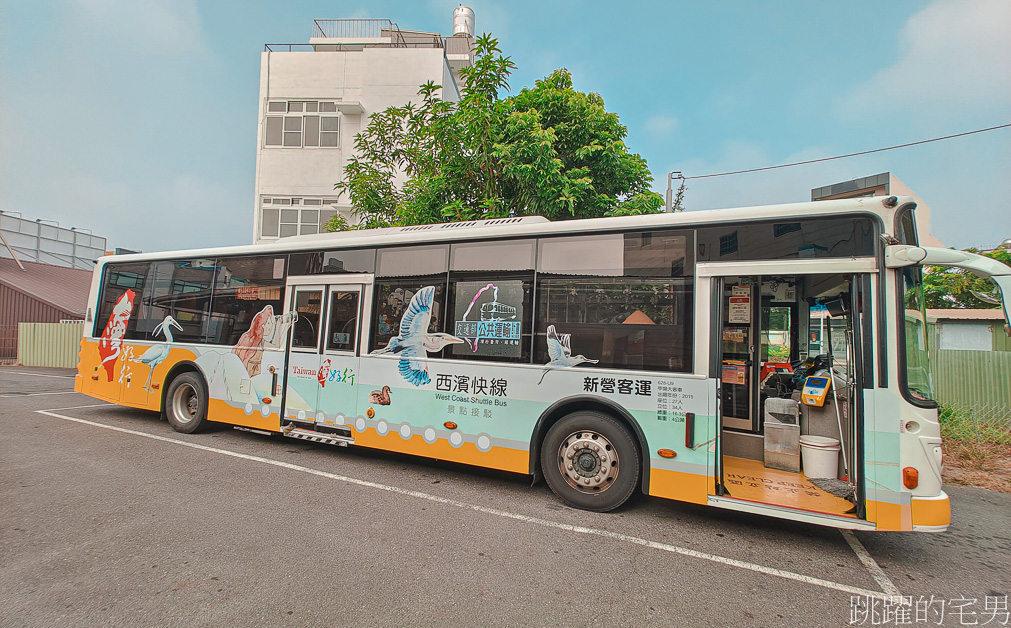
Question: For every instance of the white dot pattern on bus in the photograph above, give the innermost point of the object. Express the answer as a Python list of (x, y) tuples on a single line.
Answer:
[(265, 410), (301, 415), (320, 417), (483, 441), (248, 409)]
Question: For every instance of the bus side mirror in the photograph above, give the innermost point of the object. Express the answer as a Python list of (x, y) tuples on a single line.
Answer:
[(903, 255)]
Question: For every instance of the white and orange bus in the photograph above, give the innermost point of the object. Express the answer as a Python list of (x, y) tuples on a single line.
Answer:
[(770, 360)]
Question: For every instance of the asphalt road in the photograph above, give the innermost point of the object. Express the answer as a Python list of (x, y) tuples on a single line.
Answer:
[(109, 518)]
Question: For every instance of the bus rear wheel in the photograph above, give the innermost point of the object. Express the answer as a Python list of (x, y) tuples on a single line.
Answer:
[(186, 403), (590, 461)]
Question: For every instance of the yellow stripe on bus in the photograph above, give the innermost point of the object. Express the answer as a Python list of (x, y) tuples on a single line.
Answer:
[(501, 458), (686, 487)]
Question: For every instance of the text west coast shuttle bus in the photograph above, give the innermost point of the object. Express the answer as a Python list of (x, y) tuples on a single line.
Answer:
[(606, 356)]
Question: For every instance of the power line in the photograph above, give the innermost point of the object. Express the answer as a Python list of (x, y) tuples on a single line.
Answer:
[(865, 152)]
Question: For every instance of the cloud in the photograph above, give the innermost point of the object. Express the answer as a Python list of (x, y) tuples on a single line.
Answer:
[(661, 125), (955, 58)]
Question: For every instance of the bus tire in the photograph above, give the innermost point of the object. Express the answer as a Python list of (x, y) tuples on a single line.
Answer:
[(590, 461), (186, 403)]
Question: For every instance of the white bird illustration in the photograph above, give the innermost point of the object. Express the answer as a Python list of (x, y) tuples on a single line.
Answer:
[(560, 353), (414, 340), (156, 354)]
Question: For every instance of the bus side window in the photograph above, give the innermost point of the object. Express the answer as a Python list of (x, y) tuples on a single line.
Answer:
[(247, 292), (123, 290), (624, 300), (392, 298), (401, 272)]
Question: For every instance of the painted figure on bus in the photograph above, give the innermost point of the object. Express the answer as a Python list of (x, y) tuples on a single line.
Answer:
[(414, 340), (266, 331), (156, 354), (380, 397), (561, 353), (236, 375), (111, 344)]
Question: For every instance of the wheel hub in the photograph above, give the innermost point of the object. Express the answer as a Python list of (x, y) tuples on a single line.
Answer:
[(588, 461), (186, 403)]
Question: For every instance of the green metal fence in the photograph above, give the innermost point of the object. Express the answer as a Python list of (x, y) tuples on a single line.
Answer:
[(974, 391), (49, 344)]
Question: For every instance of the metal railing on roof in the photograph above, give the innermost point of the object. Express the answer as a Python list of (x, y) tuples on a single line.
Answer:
[(352, 28), (347, 47)]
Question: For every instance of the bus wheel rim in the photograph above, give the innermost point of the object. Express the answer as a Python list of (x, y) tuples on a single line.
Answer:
[(185, 403), (588, 461)]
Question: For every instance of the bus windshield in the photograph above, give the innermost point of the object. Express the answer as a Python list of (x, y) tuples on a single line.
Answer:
[(918, 381)]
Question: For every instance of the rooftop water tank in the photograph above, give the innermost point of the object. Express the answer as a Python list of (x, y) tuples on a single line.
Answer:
[(463, 21)]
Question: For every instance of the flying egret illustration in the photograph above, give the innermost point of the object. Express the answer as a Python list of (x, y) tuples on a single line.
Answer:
[(156, 354), (561, 353), (414, 340)]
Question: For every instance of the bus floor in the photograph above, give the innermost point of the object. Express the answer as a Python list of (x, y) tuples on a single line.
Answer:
[(752, 481)]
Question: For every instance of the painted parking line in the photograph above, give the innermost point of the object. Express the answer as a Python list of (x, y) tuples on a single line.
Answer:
[(39, 374), (868, 561), (674, 549), (68, 392), (93, 405)]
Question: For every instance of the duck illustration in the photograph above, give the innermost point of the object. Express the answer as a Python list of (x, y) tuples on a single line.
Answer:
[(414, 340), (380, 397), (560, 353), (156, 354)]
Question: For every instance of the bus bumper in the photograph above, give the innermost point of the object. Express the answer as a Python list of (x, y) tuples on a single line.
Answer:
[(931, 514)]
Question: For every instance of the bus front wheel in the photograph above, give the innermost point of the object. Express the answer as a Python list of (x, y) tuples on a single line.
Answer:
[(590, 461), (186, 403)]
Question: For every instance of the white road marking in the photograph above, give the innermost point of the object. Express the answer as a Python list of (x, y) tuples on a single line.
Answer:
[(94, 405), (39, 374), (674, 549), (69, 392), (868, 561)]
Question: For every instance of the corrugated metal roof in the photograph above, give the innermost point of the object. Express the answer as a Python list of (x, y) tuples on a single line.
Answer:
[(966, 314), (63, 288)]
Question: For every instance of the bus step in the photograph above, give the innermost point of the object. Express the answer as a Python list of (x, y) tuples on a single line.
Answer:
[(250, 429), (316, 437)]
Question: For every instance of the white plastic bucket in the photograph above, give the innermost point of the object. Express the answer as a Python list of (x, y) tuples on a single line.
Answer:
[(820, 456)]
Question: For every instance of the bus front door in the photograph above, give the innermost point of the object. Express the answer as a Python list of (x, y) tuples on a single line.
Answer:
[(320, 388), (771, 429)]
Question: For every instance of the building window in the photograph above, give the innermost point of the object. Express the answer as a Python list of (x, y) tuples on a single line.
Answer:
[(287, 216), (298, 124)]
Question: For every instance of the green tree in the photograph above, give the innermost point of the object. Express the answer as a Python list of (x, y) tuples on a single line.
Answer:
[(946, 287), (548, 150)]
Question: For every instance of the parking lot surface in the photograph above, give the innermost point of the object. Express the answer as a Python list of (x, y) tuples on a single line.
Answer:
[(111, 518)]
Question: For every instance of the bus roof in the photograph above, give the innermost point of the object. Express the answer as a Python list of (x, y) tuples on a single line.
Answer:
[(533, 226)]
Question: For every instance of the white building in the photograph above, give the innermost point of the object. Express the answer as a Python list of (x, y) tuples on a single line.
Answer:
[(315, 97), (25, 240), (884, 184)]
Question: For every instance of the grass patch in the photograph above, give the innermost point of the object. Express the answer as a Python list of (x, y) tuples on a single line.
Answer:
[(977, 450), (973, 427)]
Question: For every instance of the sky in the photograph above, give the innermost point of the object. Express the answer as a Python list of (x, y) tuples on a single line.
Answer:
[(137, 119)]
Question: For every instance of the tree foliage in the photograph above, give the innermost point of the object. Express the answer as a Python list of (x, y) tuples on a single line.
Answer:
[(946, 287), (548, 150)]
